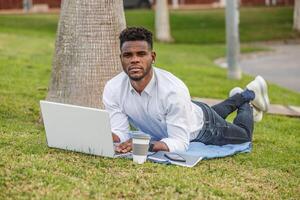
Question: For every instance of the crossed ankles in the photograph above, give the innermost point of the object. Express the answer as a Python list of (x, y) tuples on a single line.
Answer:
[(260, 103)]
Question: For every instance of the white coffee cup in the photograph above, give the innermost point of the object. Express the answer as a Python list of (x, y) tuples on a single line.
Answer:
[(140, 146)]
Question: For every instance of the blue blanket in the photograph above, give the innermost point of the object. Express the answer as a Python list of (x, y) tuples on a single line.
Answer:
[(213, 151), (198, 151)]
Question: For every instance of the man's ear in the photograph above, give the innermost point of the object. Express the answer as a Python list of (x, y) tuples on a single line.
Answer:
[(153, 55)]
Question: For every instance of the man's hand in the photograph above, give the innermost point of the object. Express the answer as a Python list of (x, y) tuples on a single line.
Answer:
[(116, 138), (160, 146), (124, 147)]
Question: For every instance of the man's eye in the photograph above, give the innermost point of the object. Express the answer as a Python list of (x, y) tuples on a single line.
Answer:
[(126, 55), (142, 53)]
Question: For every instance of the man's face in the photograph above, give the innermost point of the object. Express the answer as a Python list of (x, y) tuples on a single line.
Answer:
[(136, 58)]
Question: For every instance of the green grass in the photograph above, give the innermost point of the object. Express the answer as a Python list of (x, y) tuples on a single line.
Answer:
[(208, 26), (198, 26), (31, 170)]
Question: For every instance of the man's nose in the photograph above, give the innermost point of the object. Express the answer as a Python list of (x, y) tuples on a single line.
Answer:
[(135, 59)]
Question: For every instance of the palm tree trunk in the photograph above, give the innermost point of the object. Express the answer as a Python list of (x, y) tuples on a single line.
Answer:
[(87, 51), (27, 4), (297, 15), (162, 22)]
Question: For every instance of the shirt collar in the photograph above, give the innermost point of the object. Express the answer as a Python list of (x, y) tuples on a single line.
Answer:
[(149, 86)]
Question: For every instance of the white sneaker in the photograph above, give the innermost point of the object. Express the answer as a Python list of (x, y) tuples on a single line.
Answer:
[(260, 88), (257, 114), (235, 91)]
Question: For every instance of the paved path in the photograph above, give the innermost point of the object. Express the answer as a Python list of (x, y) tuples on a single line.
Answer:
[(280, 66)]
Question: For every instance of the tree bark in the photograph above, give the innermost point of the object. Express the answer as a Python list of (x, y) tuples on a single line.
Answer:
[(297, 15), (162, 22), (87, 51)]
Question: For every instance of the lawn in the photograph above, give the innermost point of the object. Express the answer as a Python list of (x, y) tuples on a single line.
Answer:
[(30, 170)]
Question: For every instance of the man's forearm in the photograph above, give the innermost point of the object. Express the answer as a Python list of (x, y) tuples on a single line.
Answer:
[(160, 146)]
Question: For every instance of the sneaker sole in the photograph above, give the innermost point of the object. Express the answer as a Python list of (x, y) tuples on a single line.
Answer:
[(257, 115), (264, 88)]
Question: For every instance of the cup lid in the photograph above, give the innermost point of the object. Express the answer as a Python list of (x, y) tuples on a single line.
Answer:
[(141, 136)]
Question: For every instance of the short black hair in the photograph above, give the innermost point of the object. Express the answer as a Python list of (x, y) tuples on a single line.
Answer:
[(136, 34)]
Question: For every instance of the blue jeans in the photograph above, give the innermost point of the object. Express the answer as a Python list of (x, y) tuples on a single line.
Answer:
[(217, 131)]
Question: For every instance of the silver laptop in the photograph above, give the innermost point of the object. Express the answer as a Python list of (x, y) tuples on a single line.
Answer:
[(78, 128)]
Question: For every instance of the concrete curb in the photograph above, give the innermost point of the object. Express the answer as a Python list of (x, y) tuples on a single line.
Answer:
[(275, 109)]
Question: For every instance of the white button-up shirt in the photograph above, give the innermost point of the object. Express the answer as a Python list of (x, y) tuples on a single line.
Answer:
[(163, 110)]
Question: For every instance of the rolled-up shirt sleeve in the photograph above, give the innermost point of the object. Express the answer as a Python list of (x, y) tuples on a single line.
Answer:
[(177, 120), (118, 120)]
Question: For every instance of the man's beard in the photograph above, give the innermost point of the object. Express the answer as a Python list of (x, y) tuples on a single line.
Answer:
[(145, 73)]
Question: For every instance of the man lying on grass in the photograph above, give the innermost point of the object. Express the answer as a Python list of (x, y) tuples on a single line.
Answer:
[(159, 104)]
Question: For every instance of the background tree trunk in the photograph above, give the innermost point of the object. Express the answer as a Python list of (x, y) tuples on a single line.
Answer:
[(87, 51), (175, 4), (162, 22), (297, 15), (27, 4)]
